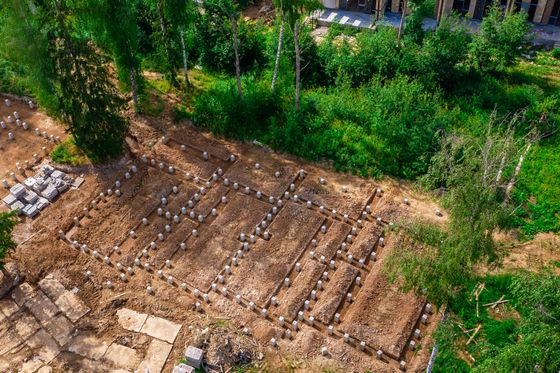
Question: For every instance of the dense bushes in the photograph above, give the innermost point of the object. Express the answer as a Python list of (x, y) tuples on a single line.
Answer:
[(497, 44), (224, 113), (524, 338), (214, 46), (378, 129)]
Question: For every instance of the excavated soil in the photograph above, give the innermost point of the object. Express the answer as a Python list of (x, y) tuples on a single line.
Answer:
[(250, 245)]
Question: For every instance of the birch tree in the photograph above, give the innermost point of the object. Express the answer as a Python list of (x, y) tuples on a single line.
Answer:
[(295, 11), (280, 14), (114, 24)]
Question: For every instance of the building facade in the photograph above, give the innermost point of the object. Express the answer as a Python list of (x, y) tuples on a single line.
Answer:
[(539, 11)]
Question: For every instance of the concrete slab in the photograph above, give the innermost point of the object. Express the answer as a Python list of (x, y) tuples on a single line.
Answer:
[(8, 307), (26, 325), (9, 340), (43, 346), (45, 369), (22, 293), (161, 329), (71, 306), (156, 356), (131, 320), (52, 287), (60, 329), (88, 346), (331, 17), (121, 356), (32, 365), (42, 307)]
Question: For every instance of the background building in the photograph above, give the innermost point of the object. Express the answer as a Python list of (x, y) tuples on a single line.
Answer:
[(539, 11)]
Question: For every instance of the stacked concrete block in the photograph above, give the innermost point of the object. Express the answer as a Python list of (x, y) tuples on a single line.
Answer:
[(9, 200), (17, 190), (30, 210), (38, 191), (30, 197), (41, 203), (17, 206), (50, 192)]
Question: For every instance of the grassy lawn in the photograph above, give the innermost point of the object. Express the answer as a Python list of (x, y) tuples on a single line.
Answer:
[(68, 153), (159, 91), (537, 189)]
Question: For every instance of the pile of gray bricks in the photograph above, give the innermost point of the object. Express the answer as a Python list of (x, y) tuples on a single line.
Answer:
[(37, 191)]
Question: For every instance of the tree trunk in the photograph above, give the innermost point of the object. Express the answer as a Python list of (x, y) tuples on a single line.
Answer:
[(298, 62), (236, 50), (277, 63), (185, 71), (517, 170), (134, 90), (165, 36), (401, 23)]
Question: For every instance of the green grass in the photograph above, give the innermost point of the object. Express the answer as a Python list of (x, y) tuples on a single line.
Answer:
[(538, 189), (68, 153), (493, 333), (151, 103)]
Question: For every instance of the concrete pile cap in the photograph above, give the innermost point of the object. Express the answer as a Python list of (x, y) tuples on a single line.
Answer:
[(194, 355), (47, 170), (58, 174), (60, 185)]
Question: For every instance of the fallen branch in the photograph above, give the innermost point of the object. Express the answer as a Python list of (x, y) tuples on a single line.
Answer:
[(475, 332), (494, 304)]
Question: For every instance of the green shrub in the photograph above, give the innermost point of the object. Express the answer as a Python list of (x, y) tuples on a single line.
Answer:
[(68, 153), (556, 53), (499, 40), (224, 113), (215, 41)]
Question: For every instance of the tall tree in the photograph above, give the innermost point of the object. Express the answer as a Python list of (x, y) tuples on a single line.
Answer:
[(280, 15), (74, 78), (114, 24), (469, 169), (174, 18), (295, 11), (233, 19)]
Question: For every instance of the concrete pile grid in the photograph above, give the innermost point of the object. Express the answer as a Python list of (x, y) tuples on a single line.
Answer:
[(265, 239)]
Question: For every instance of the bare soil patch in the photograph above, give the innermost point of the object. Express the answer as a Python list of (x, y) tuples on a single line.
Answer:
[(234, 244)]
